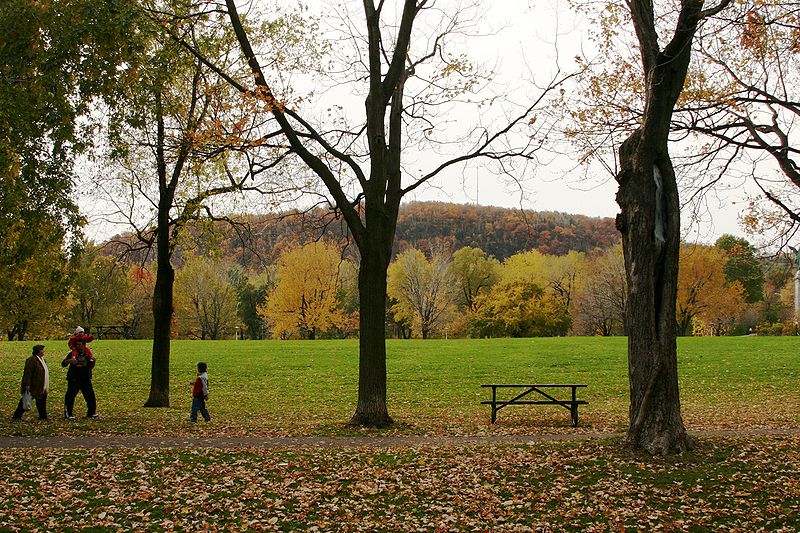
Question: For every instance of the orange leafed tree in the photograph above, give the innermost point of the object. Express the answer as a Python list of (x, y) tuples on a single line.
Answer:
[(724, 308), (703, 292), (746, 109), (181, 140)]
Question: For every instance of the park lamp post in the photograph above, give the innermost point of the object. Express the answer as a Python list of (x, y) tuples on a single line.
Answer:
[(796, 286)]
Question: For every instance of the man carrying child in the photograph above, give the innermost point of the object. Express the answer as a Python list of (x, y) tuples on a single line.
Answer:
[(79, 379)]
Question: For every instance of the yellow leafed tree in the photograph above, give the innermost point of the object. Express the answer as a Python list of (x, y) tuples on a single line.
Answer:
[(425, 291), (305, 300), (560, 274)]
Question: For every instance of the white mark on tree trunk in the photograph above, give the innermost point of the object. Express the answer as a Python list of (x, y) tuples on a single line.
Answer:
[(658, 231)]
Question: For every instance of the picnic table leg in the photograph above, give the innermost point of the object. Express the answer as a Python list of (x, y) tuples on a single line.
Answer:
[(574, 408), (494, 404)]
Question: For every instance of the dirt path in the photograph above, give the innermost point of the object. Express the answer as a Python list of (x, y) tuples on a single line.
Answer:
[(335, 442)]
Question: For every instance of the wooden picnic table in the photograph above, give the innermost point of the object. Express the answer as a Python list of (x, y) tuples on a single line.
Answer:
[(114, 329), (539, 392)]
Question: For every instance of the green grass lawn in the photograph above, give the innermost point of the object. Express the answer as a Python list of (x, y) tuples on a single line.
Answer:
[(310, 387), (738, 483)]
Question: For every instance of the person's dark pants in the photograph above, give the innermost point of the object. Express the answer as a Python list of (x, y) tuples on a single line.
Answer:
[(84, 386), (199, 404), (41, 408)]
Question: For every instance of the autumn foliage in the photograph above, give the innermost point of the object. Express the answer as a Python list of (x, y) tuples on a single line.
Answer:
[(306, 298)]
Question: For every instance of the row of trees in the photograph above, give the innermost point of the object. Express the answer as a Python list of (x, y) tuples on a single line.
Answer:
[(312, 291), (722, 289)]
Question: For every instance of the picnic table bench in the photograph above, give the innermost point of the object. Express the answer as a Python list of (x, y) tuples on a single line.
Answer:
[(116, 329), (543, 398)]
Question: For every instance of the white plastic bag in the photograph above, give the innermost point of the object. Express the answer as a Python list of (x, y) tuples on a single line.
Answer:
[(27, 401)]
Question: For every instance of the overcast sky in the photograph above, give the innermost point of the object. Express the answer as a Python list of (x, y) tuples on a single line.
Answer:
[(529, 42), (537, 35)]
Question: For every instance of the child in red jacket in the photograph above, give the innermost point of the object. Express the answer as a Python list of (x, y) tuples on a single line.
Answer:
[(200, 394), (81, 335)]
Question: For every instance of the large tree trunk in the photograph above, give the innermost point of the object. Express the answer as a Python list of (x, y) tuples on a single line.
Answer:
[(162, 317), (371, 409), (162, 333), (650, 226)]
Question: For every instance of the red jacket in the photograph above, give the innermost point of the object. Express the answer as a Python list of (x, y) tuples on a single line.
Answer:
[(79, 337), (201, 386)]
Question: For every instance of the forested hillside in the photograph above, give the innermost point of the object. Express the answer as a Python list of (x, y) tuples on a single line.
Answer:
[(502, 232), (498, 231)]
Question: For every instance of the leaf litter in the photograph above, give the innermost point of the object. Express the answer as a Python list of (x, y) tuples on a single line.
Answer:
[(727, 483)]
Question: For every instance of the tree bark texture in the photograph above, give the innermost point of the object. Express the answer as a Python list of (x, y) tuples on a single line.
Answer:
[(650, 226)]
